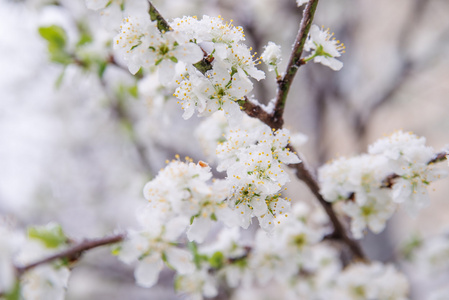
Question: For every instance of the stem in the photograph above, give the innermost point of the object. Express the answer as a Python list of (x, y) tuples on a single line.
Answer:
[(74, 252), (276, 121), (294, 63), (304, 174), (162, 24)]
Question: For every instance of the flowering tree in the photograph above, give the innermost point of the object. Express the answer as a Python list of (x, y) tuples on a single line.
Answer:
[(224, 223)]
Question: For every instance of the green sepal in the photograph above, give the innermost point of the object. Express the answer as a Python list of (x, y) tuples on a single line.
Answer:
[(216, 261), (101, 68), (60, 78), (213, 217), (197, 258), (116, 250), (133, 91), (173, 59), (203, 66), (410, 246), (51, 235), (158, 61)]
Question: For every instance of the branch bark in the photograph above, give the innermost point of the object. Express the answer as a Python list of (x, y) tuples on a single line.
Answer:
[(294, 63), (75, 252)]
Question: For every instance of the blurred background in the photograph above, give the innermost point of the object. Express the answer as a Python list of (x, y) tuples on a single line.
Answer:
[(78, 149)]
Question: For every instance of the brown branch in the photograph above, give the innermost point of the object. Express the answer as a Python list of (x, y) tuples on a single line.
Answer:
[(294, 63), (275, 121), (256, 111), (74, 252), (304, 174), (389, 180)]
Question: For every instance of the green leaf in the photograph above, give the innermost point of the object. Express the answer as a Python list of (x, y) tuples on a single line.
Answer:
[(14, 294), (133, 91), (51, 235), (197, 258), (59, 80), (101, 68), (57, 40), (116, 250), (174, 59), (158, 61), (410, 246), (213, 217), (216, 260), (54, 34), (191, 219)]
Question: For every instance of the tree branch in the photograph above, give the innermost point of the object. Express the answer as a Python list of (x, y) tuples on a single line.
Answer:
[(74, 252), (304, 174), (275, 120), (294, 63)]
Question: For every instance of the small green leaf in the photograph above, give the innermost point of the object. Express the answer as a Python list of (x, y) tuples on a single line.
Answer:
[(85, 38), (216, 260), (51, 235), (191, 219), (133, 91), (213, 217), (116, 250), (57, 40), (59, 80), (158, 61), (14, 294), (54, 34), (174, 59), (101, 68)]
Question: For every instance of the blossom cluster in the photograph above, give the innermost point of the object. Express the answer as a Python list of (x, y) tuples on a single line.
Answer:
[(294, 263), (206, 65), (17, 249), (396, 170)]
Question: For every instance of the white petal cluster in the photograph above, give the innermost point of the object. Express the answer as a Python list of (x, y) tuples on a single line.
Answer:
[(153, 244), (324, 48), (362, 183), (10, 243), (142, 45), (371, 281), (408, 157), (217, 90), (232, 66), (254, 160), (181, 190), (301, 2), (432, 256), (271, 55), (46, 281)]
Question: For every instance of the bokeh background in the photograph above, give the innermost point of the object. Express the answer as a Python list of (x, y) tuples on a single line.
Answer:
[(80, 153)]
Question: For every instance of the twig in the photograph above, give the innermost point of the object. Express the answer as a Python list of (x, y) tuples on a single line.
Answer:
[(304, 174), (162, 24), (275, 121), (74, 252), (294, 63)]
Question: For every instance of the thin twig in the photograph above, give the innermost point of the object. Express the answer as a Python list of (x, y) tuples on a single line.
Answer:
[(294, 63), (74, 252), (304, 174), (275, 121)]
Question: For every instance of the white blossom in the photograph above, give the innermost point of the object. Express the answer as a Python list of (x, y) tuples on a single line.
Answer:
[(153, 244), (371, 281), (301, 2), (324, 48), (272, 55)]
